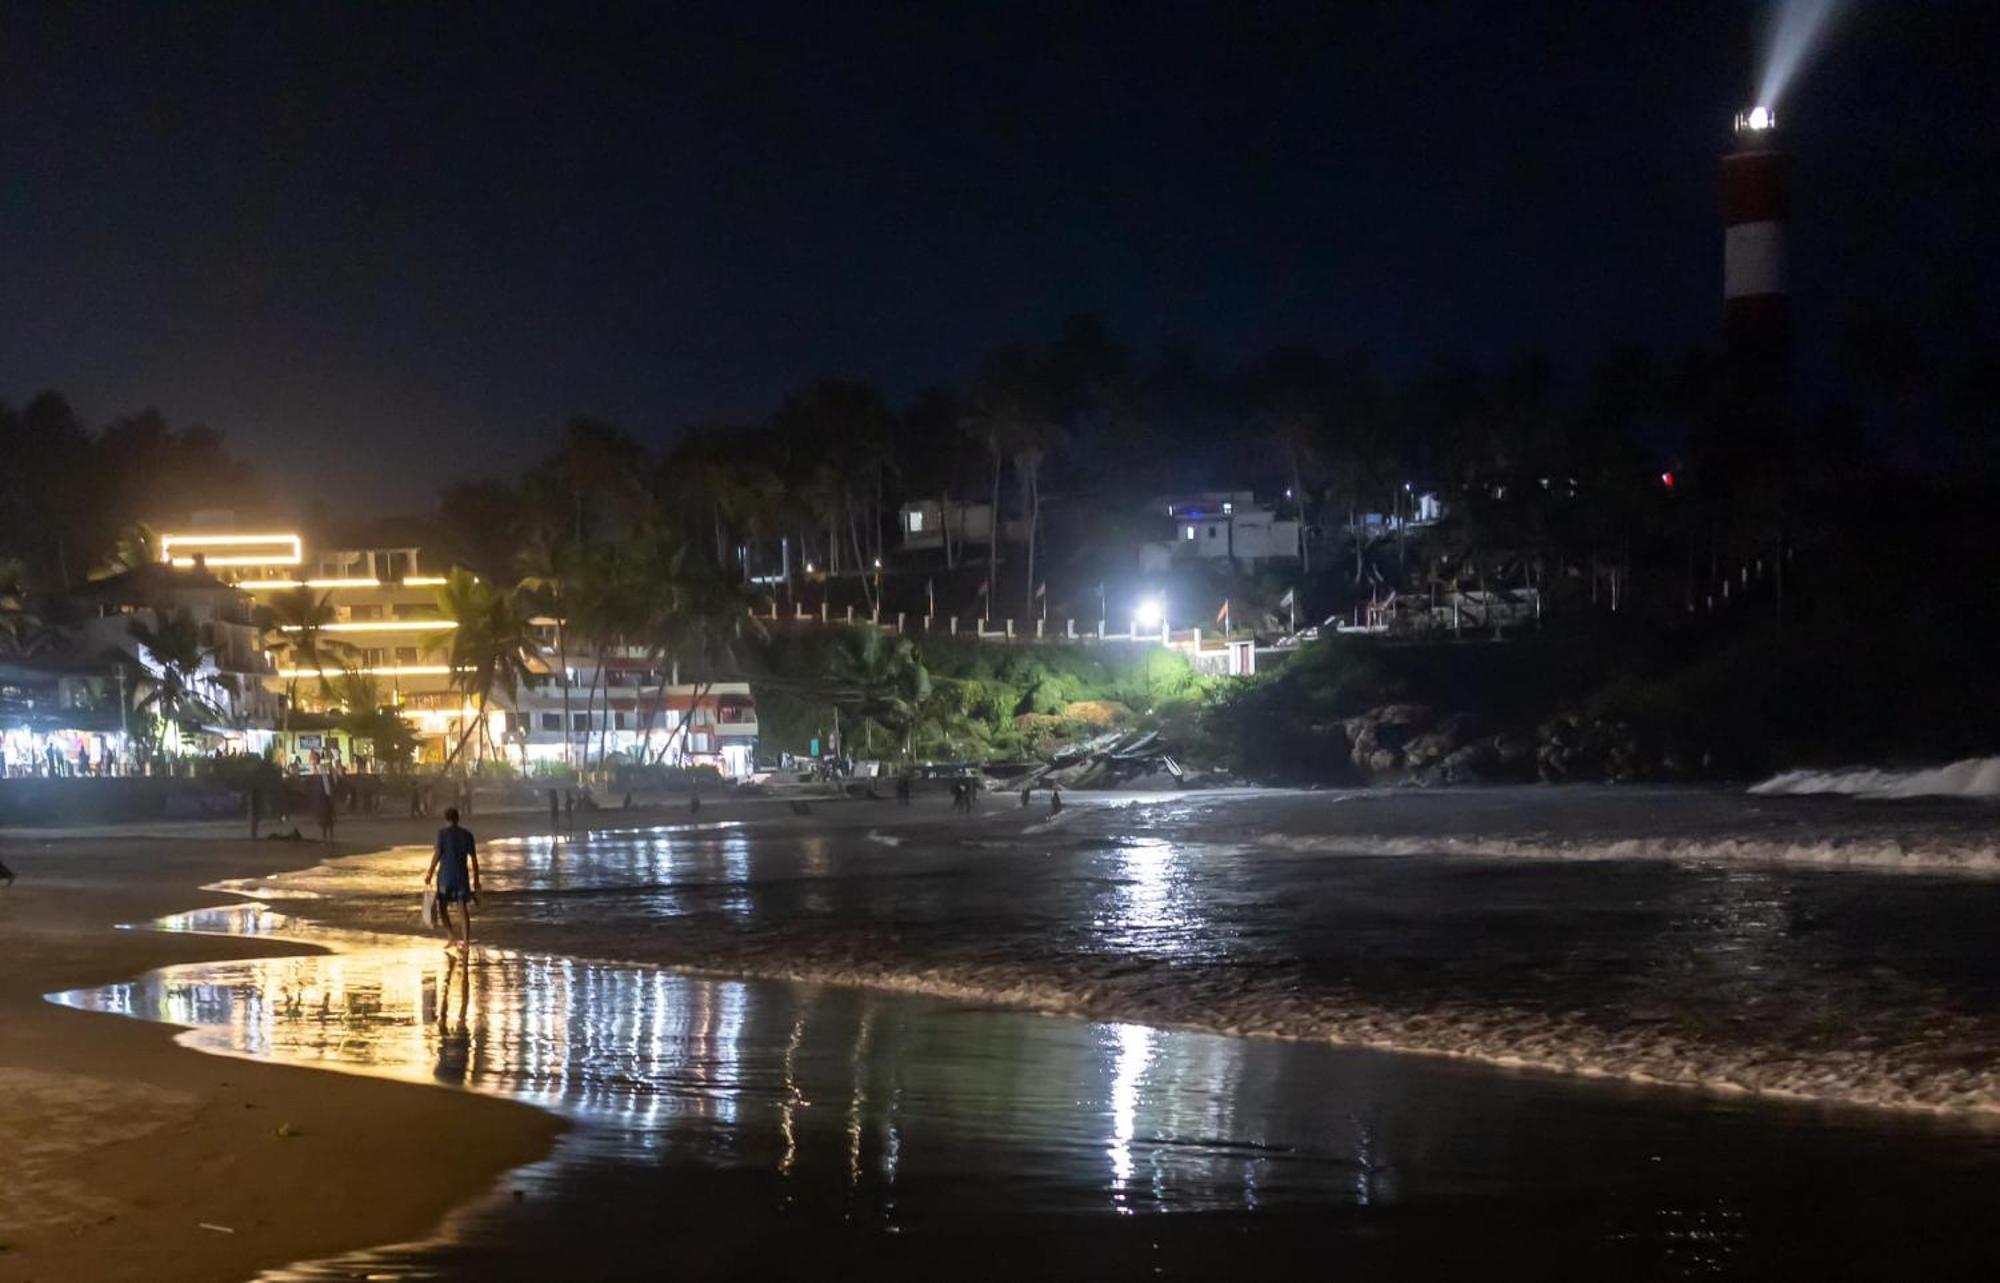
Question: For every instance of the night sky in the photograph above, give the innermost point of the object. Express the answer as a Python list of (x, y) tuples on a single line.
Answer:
[(363, 237)]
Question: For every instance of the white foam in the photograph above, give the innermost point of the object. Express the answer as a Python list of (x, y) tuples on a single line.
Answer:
[(1503, 1036), (1874, 854), (1973, 777)]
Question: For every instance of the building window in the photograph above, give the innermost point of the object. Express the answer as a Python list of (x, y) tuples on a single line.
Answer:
[(1187, 532), (366, 610), (916, 521), (373, 657), (619, 722), (406, 654), (579, 721), (1214, 531), (551, 721)]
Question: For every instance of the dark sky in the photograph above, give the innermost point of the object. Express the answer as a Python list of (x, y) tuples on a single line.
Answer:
[(381, 244)]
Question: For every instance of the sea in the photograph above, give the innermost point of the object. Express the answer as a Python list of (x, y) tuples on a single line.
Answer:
[(1572, 1032)]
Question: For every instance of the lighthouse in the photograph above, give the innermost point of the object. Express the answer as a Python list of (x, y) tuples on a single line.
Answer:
[(1756, 207)]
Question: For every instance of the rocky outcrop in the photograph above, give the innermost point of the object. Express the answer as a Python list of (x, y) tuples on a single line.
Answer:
[(1412, 743)]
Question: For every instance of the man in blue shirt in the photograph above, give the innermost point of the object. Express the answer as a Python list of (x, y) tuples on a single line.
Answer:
[(455, 865)]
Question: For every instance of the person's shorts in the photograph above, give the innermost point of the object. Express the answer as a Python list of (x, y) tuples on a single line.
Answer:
[(454, 895)]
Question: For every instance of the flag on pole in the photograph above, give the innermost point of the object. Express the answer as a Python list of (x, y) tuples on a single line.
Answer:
[(1042, 590), (1290, 598), (1222, 616), (984, 585)]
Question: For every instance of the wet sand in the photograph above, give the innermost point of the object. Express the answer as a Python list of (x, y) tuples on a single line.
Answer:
[(117, 1146)]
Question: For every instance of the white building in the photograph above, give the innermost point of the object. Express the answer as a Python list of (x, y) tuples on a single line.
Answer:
[(926, 522), (386, 622), (623, 713), (1222, 526)]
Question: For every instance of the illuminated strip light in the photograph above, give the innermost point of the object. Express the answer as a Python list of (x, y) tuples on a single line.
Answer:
[(415, 581), (377, 626), (297, 554), (387, 670), (245, 559)]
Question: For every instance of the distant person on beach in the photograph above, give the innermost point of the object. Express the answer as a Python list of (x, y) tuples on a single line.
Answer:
[(6, 875), (1055, 799), (455, 866), (555, 810), (326, 809), (903, 789)]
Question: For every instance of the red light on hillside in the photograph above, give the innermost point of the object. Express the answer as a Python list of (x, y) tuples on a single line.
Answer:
[(1667, 480)]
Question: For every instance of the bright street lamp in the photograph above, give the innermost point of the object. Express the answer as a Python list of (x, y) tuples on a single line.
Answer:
[(1148, 614)]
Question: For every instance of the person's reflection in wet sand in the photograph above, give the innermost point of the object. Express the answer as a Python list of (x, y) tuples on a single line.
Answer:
[(454, 1044)]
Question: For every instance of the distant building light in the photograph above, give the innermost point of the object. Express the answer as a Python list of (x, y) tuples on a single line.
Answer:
[(376, 626), (386, 670), (916, 516), (1667, 480), (1227, 507), (279, 550)]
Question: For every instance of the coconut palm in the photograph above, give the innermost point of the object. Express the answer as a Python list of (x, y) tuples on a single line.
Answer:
[(699, 620), (170, 688), (877, 680), (489, 649), (22, 632), (549, 565), (137, 545), (296, 633)]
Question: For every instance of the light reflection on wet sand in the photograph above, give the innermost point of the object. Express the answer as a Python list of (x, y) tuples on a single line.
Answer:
[(770, 1128)]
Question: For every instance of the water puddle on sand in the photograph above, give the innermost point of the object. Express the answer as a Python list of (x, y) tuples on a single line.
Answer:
[(764, 1129)]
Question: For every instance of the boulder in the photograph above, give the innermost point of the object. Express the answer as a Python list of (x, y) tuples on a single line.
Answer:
[(1383, 761), (1429, 748)]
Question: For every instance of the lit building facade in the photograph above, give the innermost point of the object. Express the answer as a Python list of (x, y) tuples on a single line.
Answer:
[(386, 624), (624, 713)]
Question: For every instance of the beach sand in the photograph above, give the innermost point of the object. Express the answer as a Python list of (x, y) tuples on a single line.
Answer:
[(119, 1149)]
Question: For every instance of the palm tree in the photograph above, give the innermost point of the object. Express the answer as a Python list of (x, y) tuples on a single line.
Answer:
[(298, 621), (698, 622), (138, 545), (174, 646), (549, 565), (490, 648), (878, 680), (21, 630), (1012, 414)]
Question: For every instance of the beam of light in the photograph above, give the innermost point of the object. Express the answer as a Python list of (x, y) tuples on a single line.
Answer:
[(1798, 28)]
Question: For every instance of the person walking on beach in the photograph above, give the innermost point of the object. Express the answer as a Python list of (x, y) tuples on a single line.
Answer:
[(555, 808), (326, 809), (455, 865)]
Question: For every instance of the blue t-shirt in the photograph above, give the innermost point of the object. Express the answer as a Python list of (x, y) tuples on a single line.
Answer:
[(454, 847)]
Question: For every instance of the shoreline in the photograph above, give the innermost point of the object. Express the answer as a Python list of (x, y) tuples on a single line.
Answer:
[(150, 1160)]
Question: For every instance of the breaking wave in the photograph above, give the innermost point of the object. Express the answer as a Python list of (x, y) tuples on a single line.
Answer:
[(1973, 777), (1874, 853), (1227, 1002)]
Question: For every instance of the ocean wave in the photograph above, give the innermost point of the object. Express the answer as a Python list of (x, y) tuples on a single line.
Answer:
[(1502, 1036), (1972, 777), (1875, 854)]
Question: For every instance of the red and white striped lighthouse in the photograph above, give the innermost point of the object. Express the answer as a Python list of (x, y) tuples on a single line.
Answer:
[(1756, 206)]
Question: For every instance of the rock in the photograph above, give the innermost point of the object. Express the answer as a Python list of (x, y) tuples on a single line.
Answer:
[(1428, 748), (1383, 761)]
